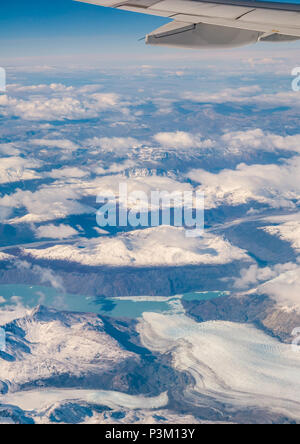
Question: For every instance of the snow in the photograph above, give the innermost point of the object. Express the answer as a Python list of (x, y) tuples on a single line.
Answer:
[(235, 363), (144, 417), (5, 257), (288, 231), (42, 399), (161, 246), (57, 344)]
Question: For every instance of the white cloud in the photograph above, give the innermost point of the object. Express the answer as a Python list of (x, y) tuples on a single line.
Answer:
[(40, 109), (288, 230), (108, 185), (47, 203), (55, 231), (58, 102), (251, 95), (5, 213), (275, 185), (62, 198), (117, 167), (239, 141), (9, 149), (41, 88), (226, 95), (14, 169), (181, 140), (10, 313), (284, 289), (103, 101), (281, 282), (116, 145), (71, 172), (63, 144), (45, 275), (252, 276)]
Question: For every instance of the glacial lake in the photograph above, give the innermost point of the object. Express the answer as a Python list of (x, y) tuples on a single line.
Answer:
[(127, 306)]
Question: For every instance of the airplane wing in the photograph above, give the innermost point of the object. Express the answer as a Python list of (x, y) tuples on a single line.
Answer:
[(215, 23)]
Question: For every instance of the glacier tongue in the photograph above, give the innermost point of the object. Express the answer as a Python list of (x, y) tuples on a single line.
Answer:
[(234, 363)]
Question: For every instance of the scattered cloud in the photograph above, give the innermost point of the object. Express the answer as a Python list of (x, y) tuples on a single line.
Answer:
[(181, 140), (275, 185), (55, 231), (66, 173), (252, 140), (287, 231), (284, 288), (48, 203), (63, 144), (61, 103), (15, 169), (116, 145), (225, 95), (252, 276)]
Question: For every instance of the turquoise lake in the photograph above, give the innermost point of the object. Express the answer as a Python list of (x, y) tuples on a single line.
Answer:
[(130, 307)]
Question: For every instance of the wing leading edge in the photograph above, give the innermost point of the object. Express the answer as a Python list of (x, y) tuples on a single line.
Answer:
[(215, 23)]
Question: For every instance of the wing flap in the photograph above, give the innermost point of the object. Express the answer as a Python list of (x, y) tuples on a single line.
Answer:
[(201, 35)]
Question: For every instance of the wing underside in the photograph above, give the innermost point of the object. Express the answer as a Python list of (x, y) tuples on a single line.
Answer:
[(217, 23)]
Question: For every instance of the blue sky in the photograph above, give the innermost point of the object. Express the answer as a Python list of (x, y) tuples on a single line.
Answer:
[(33, 27), (39, 28)]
